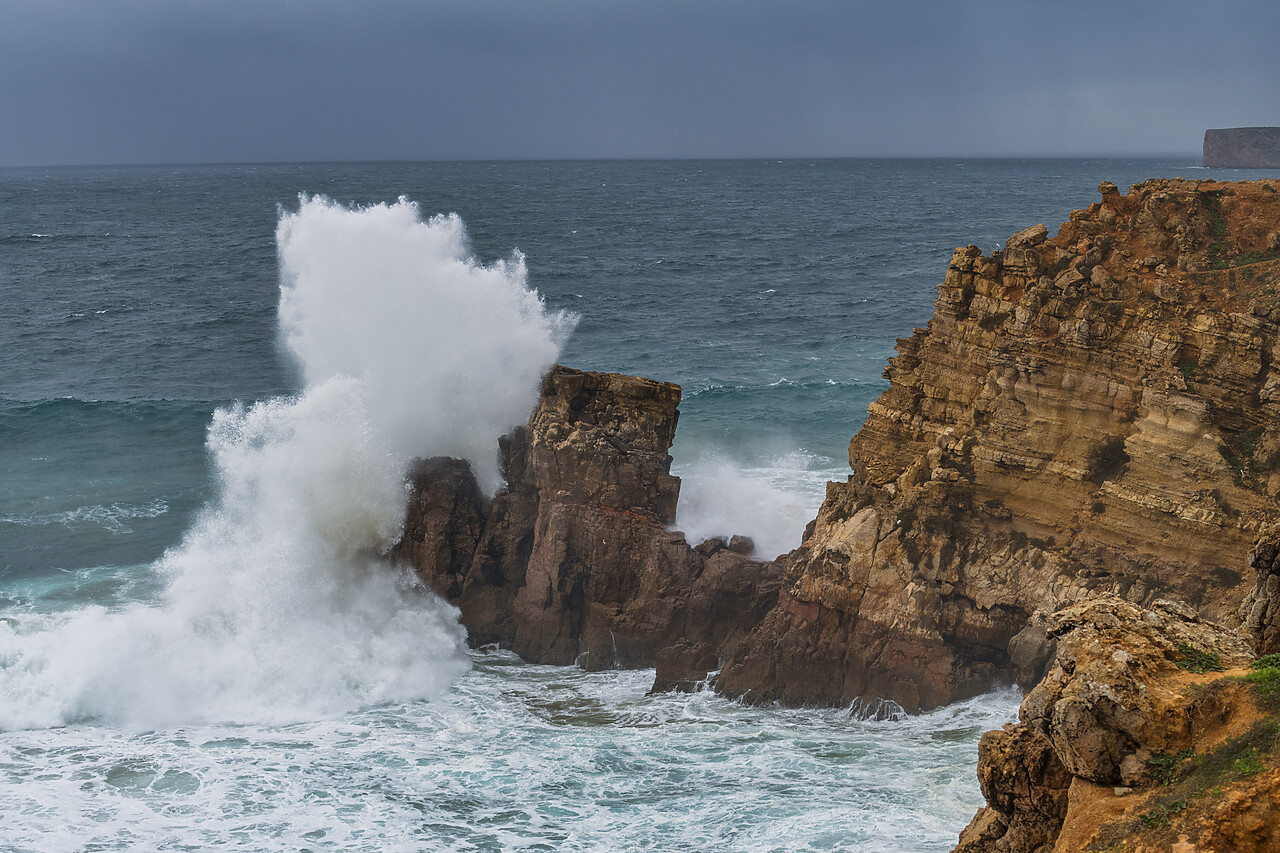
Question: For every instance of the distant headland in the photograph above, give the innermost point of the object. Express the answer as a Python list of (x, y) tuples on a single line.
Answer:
[(1242, 147)]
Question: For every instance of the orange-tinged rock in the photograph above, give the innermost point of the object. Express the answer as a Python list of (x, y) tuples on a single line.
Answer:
[(1093, 412)]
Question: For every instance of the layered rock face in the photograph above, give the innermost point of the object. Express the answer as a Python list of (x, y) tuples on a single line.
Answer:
[(1242, 148), (572, 561), (1132, 693), (1094, 412)]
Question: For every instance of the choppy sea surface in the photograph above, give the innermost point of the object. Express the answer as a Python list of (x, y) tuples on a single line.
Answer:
[(210, 378)]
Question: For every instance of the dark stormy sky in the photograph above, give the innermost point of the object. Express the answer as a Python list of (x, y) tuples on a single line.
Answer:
[(182, 81)]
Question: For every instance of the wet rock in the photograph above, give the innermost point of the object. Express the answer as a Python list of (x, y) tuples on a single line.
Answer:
[(683, 667), (444, 522), (708, 547), (572, 561), (1026, 790)]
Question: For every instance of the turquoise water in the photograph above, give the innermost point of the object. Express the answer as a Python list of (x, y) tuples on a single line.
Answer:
[(198, 646)]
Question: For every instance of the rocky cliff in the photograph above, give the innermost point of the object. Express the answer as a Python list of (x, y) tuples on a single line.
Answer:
[(1096, 412), (1153, 730), (572, 561), (1243, 148)]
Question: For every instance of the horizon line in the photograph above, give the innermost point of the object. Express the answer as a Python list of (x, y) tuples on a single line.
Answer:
[(655, 159)]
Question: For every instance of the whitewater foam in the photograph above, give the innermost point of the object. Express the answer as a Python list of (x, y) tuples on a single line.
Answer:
[(111, 517), (770, 501), (279, 606), (514, 757), (449, 351)]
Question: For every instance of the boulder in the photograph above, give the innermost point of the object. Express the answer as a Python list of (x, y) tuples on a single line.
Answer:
[(1115, 697)]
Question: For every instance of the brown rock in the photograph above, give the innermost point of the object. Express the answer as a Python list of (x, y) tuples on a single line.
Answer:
[(601, 439), (1026, 790), (1069, 424), (1261, 608), (1032, 650), (1028, 237), (683, 666), (1114, 699), (572, 561), (444, 522), (1111, 694)]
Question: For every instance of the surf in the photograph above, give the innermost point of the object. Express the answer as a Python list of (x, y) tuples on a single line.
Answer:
[(278, 603)]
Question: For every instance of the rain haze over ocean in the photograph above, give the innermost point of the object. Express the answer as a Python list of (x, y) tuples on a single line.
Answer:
[(240, 81)]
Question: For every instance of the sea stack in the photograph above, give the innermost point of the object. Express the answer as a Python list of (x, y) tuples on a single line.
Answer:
[(573, 560), (1242, 148)]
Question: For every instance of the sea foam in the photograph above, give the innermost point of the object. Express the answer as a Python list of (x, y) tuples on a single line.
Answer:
[(448, 367), (279, 606), (771, 500)]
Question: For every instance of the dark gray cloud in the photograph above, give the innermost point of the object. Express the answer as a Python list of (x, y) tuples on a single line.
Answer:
[(133, 81)]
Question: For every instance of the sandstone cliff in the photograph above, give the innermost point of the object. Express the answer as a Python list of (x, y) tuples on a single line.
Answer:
[(1093, 412), (572, 560), (1242, 148)]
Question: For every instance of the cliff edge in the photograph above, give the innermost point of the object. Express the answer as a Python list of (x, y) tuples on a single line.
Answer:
[(1096, 412), (1153, 730), (1242, 148)]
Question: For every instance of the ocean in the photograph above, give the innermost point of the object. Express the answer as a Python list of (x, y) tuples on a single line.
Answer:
[(210, 380)]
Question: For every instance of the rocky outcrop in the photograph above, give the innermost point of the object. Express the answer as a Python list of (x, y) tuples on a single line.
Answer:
[(1026, 789), (684, 667), (1115, 695), (1133, 694), (1242, 148), (1261, 608), (572, 561), (1090, 413)]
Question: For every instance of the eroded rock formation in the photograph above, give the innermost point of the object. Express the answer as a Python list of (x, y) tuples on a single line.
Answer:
[(1261, 608), (572, 561), (1132, 692), (1093, 412)]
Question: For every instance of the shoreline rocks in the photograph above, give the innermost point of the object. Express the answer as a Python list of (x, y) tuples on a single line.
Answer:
[(572, 560), (1056, 489), (1124, 695)]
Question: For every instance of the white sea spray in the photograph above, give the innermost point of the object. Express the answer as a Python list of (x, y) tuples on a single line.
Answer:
[(770, 500), (450, 352), (279, 606), (513, 757)]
